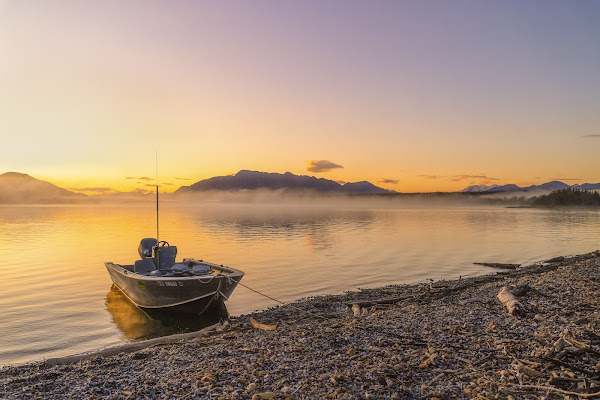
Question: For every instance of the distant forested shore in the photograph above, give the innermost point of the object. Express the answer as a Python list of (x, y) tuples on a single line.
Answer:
[(568, 197)]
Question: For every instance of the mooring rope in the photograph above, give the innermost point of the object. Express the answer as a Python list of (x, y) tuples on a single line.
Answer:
[(278, 301)]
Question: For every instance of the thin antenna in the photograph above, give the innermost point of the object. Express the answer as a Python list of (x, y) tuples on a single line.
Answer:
[(157, 237), (156, 163)]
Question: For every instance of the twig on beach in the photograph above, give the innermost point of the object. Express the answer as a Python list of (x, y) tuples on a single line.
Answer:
[(571, 366), (386, 300), (498, 265), (263, 327), (563, 380), (550, 388)]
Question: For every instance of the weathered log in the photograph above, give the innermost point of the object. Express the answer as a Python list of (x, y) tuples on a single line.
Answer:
[(553, 389), (132, 347), (371, 303), (263, 327), (511, 303), (498, 265)]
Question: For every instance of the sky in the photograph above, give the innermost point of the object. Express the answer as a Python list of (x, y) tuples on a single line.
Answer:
[(414, 96)]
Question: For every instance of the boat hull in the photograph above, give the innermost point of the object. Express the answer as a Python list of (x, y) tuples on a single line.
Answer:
[(188, 294)]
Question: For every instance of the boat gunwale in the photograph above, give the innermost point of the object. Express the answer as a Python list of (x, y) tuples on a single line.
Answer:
[(232, 273)]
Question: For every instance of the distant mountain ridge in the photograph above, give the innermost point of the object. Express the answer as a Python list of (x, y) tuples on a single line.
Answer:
[(253, 180), (478, 188), (549, 186), (17, 188)]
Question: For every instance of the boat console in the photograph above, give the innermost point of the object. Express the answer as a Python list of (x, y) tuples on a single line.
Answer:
[(159, 254)]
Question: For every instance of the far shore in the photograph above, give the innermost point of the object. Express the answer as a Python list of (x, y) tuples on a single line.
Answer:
[(445, 339)]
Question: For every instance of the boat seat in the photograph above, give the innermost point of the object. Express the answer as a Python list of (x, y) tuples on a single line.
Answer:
[(167, 255), (146, 246), (144, 266)]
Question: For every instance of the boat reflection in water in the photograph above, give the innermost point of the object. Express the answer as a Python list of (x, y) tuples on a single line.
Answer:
[(139, 325)]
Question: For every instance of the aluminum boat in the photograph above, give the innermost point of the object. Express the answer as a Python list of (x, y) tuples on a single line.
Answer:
[(158, 282)]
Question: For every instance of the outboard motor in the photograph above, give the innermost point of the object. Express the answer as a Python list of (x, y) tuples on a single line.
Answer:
[(146, 246)]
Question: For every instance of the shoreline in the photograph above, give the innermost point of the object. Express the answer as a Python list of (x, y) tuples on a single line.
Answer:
[(447, 339)]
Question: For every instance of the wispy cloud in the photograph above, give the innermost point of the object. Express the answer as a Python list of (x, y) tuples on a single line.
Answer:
[(130, 177), (321, 166), (184, 179), (145, 178), (591, 136), (387, 180), (93, 189), (473, 179), (462, 177), (566, 179), (167, 183)]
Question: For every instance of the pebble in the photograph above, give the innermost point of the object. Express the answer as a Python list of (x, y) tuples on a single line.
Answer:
[(436, 344)]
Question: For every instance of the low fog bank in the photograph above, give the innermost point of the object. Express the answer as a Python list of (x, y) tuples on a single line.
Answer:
[(311, 199), (290, 198)]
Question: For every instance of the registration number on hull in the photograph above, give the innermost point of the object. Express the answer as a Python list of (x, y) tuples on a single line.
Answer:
[(159, 283)]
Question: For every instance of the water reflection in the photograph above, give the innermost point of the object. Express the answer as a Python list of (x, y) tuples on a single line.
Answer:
[(139, 325), (318, 226)]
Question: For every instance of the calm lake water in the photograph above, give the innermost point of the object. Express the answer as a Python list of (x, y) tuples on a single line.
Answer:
[(56, 297)]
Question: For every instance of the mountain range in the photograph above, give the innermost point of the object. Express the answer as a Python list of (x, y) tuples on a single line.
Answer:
[(253, 180), (17, 188), (549, 186)]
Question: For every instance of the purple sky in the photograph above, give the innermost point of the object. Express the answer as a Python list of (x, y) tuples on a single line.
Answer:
[(418, 92)]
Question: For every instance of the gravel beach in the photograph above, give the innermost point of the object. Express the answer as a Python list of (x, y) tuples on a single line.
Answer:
[(445, 339)]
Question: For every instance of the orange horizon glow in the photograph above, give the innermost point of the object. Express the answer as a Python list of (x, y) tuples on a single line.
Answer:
[(410, 96), (410, 184)]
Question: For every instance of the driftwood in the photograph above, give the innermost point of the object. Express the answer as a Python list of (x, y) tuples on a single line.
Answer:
[(263, 327), (498, 265), (563, 381), (131, 347), (529, 371), (553, 389), (511, 303), (371, 303), (572, 367), (508, 297)]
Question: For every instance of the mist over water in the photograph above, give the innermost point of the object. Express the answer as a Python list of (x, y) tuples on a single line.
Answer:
[(57, 298)]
